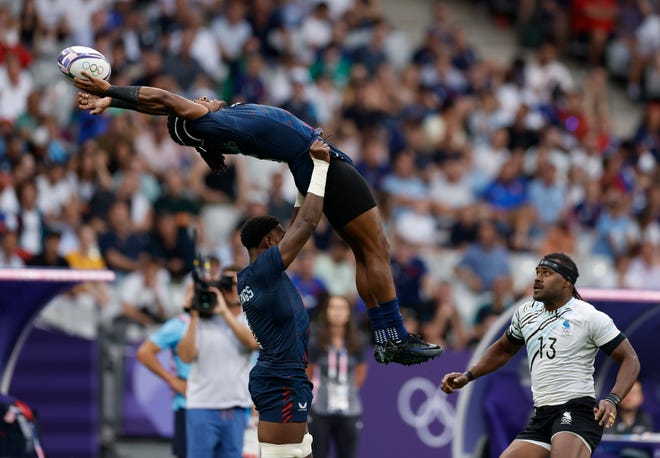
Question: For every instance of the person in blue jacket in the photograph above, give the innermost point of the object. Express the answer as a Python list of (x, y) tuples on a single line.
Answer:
[(167, 337)]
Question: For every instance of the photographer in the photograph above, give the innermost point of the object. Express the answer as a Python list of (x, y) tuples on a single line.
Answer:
[(219, 345)]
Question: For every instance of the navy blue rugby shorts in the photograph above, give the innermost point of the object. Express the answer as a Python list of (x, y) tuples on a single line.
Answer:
[(281, 397), (347, 194)]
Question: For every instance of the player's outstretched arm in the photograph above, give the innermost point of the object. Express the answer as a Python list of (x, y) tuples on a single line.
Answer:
[(145, 99), (493, 358), (310, 212)]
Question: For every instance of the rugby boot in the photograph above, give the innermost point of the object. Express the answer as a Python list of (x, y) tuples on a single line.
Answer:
[(407, 351)]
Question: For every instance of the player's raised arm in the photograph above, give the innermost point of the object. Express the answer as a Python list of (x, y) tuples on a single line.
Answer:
[(308, 216), (145, 99)]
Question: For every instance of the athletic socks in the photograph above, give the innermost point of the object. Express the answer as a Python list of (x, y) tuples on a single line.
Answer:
[(393, 320), (377, 325)]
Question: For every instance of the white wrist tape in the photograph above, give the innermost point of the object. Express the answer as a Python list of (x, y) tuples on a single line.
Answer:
[(300, 199), (319, 174)]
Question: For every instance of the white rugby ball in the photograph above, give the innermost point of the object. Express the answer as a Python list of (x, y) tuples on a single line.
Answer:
[(74, 59)]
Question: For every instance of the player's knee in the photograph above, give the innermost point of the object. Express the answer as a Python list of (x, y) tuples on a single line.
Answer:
[(379, 248), (300, 450)]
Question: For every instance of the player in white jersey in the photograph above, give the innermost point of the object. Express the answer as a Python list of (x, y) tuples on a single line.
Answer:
[(562, 334)]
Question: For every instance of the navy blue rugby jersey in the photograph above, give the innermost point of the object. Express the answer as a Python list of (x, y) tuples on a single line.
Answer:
[(264, 132), (275, 312)]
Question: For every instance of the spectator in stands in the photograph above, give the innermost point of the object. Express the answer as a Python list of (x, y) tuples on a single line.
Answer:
[(16, 83), (647, 133), (178, 199), (278, 204), (173, 245), (181, 64), (374, 164), (299, 103), (88, 256), (373, 53), (643, 53), (450, 189), (587, 212), (9, 258), (484, 261), (312, 289), (29, 218), (49, 256), (144, 293), (559, 237), (119, 245), (500, 299), (214, 188), (412, 278), (158, 153), (644, 268), (547, 197), (593, 21), (130, 190), (404, 185), (89, 172), (446, 325), (53, 188), (508, 198), (335, 266), (546, 75), (613, 225), (646, 227), (464, 231)]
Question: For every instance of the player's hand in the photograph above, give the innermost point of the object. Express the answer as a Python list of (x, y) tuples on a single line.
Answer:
[(94, 104), (221, 307), (453, 381), (178, 385), (605, 413), (320, 150), (91, 84)]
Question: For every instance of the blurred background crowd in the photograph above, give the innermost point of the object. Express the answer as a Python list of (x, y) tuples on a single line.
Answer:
[(480, 168)]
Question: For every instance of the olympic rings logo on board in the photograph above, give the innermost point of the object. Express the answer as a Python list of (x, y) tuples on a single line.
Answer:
[(93, 68), (433, 410)]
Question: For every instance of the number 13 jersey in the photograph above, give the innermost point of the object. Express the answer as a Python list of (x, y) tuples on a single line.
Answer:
[(561, 347)]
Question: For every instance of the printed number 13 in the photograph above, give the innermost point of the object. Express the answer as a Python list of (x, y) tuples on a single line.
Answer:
[(551, 347)]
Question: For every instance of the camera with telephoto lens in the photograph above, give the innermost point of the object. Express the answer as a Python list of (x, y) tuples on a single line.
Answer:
[(204, 300)]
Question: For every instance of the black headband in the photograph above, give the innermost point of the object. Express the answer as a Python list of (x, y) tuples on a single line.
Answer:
[(566, 272)]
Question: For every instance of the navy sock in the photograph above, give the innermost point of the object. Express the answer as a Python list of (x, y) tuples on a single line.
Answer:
[(393, 320), (377, 325)]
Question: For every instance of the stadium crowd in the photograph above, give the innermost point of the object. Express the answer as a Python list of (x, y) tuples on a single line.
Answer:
[(479, 168)]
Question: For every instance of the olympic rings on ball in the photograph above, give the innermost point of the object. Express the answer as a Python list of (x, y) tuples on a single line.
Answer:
[(93, 68)]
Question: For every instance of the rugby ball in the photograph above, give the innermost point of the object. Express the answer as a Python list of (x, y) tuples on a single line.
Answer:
[(74, 59)]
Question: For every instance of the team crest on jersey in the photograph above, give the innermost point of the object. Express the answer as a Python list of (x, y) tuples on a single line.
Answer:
[(566, 419), (233, 147), (566, 328)]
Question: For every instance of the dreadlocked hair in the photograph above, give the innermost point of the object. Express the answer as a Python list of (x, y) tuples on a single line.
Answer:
[(215, 160), (256, 228), (567, 262)]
